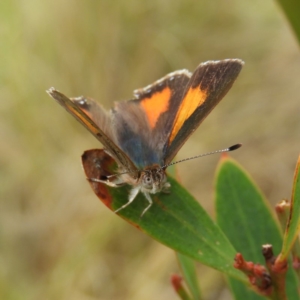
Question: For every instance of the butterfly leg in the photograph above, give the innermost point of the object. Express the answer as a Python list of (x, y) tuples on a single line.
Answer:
[(132, 196), (107, 182), (148, 197)]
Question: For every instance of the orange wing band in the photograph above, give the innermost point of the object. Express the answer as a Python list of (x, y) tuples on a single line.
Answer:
[(192, 100), (157, 104)]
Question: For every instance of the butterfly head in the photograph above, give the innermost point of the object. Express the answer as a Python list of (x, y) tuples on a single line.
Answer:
[(152, 180)]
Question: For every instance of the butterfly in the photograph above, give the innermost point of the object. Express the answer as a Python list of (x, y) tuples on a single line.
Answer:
[(144, 134)]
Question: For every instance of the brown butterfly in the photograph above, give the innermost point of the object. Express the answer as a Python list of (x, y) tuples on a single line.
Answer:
[(144, 134)]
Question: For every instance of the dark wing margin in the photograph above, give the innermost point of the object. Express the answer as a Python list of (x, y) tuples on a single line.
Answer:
[(81, 115), (208, 85)]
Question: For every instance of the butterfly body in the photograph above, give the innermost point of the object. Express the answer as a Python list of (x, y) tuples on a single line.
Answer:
[(144, 134)]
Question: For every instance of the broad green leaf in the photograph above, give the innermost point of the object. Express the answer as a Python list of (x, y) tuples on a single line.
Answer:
[(247, 220), (175, 219), (293, 225), (188, 268), (291, 9), (178, 221)]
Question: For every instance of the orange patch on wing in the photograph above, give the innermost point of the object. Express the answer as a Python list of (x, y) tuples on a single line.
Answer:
[(192, 100), (157, 104)]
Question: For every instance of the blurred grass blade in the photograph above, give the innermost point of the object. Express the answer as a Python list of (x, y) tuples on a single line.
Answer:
[(176, 281), (293, 225), (175, 219), (247, 220), (188, 269), (291, 9)]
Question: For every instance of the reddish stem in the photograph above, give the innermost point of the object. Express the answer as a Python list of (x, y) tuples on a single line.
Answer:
[(257, 274)]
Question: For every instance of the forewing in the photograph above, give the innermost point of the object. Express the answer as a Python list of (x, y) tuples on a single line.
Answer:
[(96, 120), (96, 113), (143, 125), (207, 86)]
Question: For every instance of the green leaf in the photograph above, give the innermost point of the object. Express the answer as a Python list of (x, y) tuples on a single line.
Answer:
[(291, 9), (178, 221), (293, 225), (242, 291), (175, 219), (187, 265), (188, 269), (247, 220)]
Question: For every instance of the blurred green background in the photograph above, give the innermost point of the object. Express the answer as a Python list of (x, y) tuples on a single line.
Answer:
[(57, 241)]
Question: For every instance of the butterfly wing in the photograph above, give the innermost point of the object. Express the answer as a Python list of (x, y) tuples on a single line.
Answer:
[(153, 127), (208, 85), (98, 122), (143, 124)]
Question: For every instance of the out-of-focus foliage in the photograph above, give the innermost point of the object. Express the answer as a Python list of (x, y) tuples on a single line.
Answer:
[(291, 9), (57, 241)]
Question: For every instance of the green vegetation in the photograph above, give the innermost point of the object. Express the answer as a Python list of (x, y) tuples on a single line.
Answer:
[(57, 241)]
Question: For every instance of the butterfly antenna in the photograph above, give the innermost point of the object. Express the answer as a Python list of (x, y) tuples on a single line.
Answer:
[(231, 148)]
